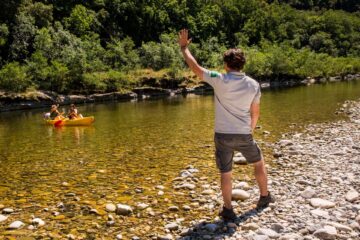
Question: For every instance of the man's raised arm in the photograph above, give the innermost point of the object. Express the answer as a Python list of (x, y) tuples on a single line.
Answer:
[(184, 42)]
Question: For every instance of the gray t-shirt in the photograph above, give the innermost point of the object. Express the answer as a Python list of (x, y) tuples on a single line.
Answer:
[(234, 94)]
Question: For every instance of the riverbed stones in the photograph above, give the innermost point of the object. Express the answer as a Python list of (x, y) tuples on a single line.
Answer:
[(3, 218), (16, 225), (174, 208), (172, 226), (142, 206), (38, 222), (211, 227), (109, 207), (122, 209), (165, 237), (242, 185), (239, 194), (326, 233), (339, 226), (321, 203), (352, 195)]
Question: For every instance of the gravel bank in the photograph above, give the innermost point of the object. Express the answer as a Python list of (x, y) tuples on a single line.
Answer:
[(316, 181)]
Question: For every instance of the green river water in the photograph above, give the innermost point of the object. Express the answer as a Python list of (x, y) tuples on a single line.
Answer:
[(131, 148)]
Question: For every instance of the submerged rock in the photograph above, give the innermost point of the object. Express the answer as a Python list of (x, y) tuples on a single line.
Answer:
[(122, 209), (38, 222), (110, 207), (16, 225)]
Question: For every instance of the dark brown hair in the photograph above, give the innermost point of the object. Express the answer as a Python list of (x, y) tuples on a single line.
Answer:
[(235, 58)]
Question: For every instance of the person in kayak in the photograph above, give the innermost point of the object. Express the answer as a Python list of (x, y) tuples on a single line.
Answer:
[(73, 112), (237, 108), (54, 113)]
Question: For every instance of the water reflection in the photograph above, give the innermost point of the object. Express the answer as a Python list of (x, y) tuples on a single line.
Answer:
[(77, 133)]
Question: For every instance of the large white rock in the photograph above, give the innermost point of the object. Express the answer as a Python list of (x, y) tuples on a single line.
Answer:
[(239, 194), (16, 225), (321, 203), (123, 209), (352, 195), (326, 233)]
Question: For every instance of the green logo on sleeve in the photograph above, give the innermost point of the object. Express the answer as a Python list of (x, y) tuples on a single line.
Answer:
[(214, 74)]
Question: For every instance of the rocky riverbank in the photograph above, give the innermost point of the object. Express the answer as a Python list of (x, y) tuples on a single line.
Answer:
[(316, 181)]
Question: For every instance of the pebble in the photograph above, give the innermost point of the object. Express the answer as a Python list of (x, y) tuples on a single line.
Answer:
[(142, 206), (110, 207), (3, 218), (268, 232), (321, 203), (239, 194), (173, 208), (339, 226), (166, 237), (119, 237), (186, 208), (308, 193), (250, 226), (326, 233), (211, 227), (242, 185), (172, 226), (16, 225), (122, 209), (320, 213), (260, 237), (352, 195)]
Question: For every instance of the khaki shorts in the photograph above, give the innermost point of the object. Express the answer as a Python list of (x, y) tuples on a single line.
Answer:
[(226, 144)]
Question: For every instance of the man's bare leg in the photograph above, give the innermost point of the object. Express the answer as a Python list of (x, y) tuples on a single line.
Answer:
[(261, 177), (226, 188)]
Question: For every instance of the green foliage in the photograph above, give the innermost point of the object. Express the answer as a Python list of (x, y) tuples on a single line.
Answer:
[(104, 81), (161, 55), (4, 32), (80, 45), (81, 20), (13, 78)]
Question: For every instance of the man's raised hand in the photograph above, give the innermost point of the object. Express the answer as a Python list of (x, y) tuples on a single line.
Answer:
[(183, 38)]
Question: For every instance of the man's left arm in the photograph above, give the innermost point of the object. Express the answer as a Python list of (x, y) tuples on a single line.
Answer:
[(255, 109), (255, 114)]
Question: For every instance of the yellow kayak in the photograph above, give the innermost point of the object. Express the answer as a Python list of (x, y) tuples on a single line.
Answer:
[(85, 121)]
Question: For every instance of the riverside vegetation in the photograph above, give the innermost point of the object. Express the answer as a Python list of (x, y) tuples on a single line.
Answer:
[(109, 46)]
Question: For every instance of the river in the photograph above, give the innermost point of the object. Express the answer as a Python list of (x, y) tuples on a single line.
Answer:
[(131, 148)]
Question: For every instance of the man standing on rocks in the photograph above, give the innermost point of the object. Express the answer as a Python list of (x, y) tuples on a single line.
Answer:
[(237, 108)]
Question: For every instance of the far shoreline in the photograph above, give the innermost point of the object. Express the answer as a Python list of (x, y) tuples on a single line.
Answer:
[(36, 99)]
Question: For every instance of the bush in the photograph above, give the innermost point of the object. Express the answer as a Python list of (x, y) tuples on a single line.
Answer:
[(13, 77), (110, 81)]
